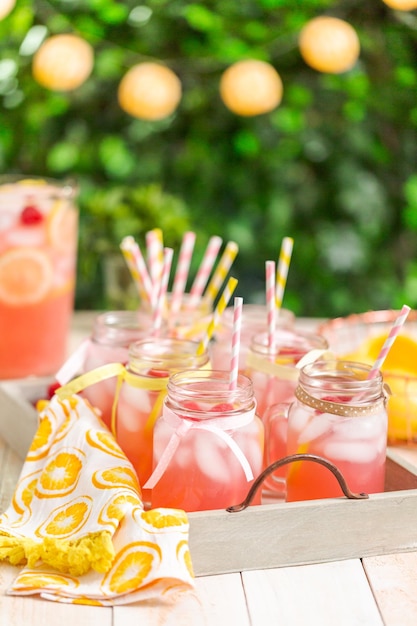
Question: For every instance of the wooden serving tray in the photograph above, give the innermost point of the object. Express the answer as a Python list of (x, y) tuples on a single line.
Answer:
[(314, 531)]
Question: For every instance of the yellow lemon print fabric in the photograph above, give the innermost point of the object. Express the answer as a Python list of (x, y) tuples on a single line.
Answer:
[(76, 524)]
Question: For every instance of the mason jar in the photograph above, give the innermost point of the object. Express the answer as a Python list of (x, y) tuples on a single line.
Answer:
[(340, 414), (254, 321), (139, 404), (112, 334), (208, 444)]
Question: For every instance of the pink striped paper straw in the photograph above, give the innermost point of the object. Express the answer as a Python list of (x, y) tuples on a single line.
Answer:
[(137, 266), (282, 269), (155, 258), (222, 269), (237, 325), (163, 287), (181, 273), (204, 270), (389, 341), (270, 302)]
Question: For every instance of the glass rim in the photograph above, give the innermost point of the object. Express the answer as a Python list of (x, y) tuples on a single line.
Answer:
[(68, 183)]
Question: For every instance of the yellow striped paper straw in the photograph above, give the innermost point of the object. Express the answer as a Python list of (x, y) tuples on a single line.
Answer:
[(137, 267), (217, 314), (282, 270), (221, 272)]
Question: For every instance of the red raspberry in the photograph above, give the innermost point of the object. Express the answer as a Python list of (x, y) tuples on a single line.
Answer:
[(51, 389), (223, 407), (189, 404), (31, 215), (158, 373)]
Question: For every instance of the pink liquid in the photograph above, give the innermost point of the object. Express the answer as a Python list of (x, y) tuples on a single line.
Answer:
[(134, 430), (38, 246), (34, 337), (356, 445), (204, 473)]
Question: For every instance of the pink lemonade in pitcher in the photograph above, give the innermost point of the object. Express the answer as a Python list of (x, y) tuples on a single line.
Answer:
[(38, 246), (208, 444), (341, 416)]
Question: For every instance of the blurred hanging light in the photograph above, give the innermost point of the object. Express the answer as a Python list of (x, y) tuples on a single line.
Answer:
[(149, 91), (401, 5), (63, 62), (251, 87), (329, 44), (6, 7)]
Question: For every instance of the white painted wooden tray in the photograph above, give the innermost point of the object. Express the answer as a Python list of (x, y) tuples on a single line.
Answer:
[(316, 531)]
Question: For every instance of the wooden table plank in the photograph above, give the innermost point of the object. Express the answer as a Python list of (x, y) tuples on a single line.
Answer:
[(223, 600), (319, 595), (218, 601), (393, 579)]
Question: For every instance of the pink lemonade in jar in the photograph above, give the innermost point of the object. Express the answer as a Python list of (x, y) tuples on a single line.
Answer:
[(208, 444), (341, 416), (113, 332), (38, 249), (151, 362), (254, 321), (274, 373)]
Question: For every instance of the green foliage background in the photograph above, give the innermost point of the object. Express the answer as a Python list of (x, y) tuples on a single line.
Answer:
[(334, 166)]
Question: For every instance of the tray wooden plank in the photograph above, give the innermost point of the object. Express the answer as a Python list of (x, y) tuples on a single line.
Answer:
[(316, 531)]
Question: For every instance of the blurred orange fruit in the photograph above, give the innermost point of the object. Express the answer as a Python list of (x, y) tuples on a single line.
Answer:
[(329, 44), (149, 91), (251, 87), (63, 62), (6, 7), (401, 5)]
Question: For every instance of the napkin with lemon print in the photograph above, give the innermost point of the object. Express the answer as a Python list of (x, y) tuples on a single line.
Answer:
[(76, 523)]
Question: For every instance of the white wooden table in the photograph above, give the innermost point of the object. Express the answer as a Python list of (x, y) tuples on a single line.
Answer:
[(378, 590)]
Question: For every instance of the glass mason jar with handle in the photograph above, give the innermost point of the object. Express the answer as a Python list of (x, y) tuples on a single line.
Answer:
[(339, 414)]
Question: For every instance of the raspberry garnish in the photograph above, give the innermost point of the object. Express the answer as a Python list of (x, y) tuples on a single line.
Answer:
[(223, 407), (31, 215), (51, 389)]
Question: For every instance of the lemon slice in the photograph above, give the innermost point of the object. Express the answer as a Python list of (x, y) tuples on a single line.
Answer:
[(62, 226), (26, 276), (401, 356)]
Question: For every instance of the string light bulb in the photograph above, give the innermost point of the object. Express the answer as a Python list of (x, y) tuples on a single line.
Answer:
[(401, 5), (63, 62), (329, 45), (251, 87), (149, 91), (6, 7)]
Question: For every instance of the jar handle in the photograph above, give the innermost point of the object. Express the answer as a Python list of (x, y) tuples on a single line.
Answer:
[(291, 459)]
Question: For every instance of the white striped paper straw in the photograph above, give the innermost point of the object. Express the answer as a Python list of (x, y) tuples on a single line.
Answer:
[(237, 325), (221, 271), (270, 302), (137, 266), (204, 270), (389, 341), (282, 269), (163, 287), (217, 314), (181, 273), (155, 259)]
